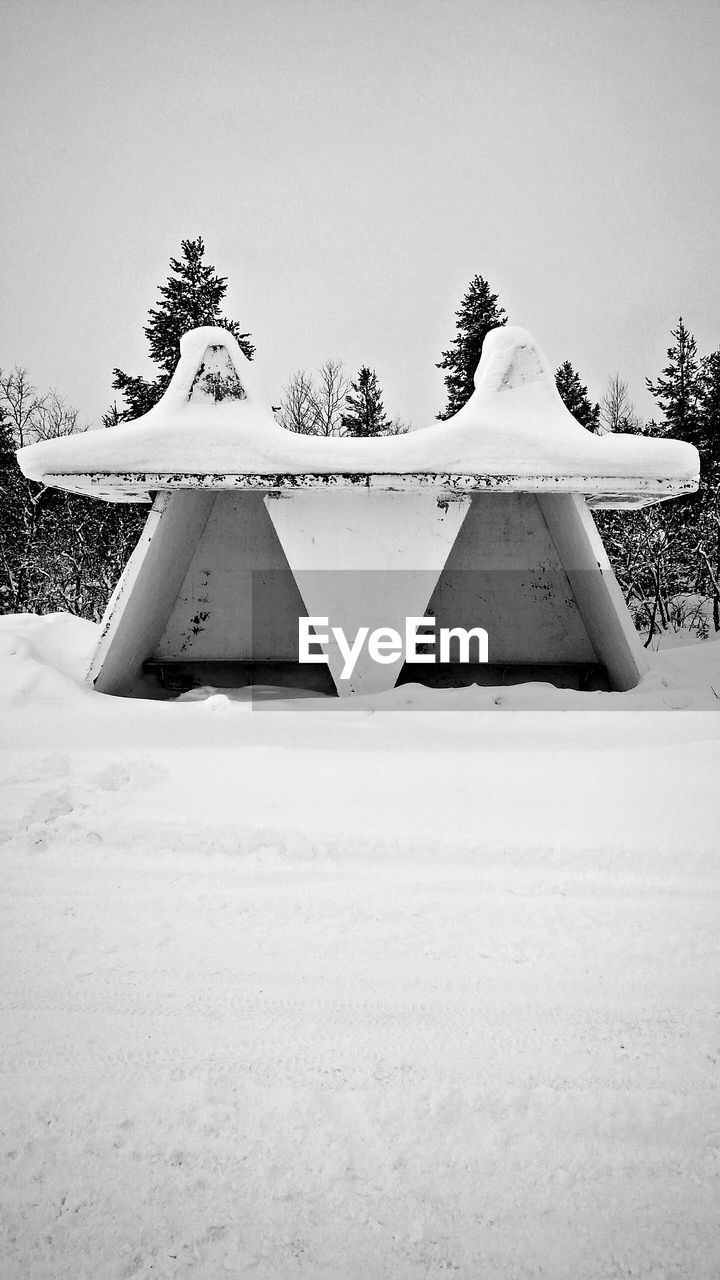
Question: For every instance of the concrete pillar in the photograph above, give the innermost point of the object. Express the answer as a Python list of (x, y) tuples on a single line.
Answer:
[(148, 588), (595, 587)]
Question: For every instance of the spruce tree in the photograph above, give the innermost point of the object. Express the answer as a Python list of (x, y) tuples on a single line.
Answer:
[(191, 297), (678, 390), (479, 313), (710, 411), (575, 397), (364, 410)]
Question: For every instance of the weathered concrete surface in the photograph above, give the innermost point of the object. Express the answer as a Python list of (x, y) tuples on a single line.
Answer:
[(225, 576), (147, 589), (364, 559), (238, 599), (612, 492)]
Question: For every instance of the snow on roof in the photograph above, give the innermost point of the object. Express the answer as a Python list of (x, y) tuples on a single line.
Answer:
[(213, 428)]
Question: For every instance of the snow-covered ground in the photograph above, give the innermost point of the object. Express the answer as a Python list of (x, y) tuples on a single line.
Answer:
[(423, 986)]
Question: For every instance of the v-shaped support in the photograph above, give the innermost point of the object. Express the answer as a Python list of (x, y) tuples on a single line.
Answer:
[(362, 559)]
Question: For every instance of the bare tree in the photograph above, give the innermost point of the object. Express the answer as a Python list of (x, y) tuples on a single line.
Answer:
[(398, 427), (22, 405), (297, 409), (329, 396), (57, 550), (708, 549), (315, 407), (617, 411), (31, 416), (56, 418)]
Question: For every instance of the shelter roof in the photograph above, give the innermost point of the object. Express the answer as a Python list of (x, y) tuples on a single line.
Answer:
[(214, 429)]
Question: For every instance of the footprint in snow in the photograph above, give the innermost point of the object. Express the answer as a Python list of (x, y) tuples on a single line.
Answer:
[(42, 769), (47, 807), (119, 774)]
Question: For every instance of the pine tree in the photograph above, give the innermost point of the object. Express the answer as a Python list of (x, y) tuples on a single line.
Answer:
[(112, 416), (678, 390), (710, 410), (364, 410), (479, 313), (191, 297), (575, 397)]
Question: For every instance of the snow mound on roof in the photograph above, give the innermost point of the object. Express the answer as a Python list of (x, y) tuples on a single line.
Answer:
[(515, 423)]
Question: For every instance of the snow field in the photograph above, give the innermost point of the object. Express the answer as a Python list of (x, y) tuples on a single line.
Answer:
[(355, 995)]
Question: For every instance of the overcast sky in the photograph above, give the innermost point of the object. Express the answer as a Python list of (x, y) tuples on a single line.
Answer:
[(351, 164)]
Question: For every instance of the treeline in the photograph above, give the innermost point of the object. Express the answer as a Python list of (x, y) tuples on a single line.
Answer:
[(59, 551), (328, 403), (667, 557)]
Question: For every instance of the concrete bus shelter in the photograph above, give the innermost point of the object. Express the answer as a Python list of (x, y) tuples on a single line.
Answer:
[(482, 520)]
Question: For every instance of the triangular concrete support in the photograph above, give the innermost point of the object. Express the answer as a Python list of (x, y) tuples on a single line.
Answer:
[(147, 590), (595, 587), (362, 559)]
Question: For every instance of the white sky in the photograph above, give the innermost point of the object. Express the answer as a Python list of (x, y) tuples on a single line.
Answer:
[(350, 165)]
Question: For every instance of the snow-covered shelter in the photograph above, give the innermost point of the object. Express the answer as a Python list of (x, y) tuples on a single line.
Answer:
[(481, 520)]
